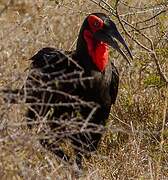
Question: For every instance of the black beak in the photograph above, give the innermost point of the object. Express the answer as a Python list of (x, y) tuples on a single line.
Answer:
[(109, 34)]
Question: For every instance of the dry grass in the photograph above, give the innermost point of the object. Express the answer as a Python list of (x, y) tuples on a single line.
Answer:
[(135, 145)]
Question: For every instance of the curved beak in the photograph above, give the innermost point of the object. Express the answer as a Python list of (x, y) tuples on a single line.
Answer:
[(109, 35)]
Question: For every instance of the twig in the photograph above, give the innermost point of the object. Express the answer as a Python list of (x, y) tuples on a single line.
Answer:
[(88, 118), (150, 50), (6, 7), (128, 34), (158, 66), (151, 18)]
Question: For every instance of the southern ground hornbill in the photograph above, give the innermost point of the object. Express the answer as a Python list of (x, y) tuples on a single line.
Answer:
[(74, 91)]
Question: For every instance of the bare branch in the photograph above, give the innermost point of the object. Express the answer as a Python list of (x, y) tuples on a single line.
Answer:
[(6, 7), (122, 21)]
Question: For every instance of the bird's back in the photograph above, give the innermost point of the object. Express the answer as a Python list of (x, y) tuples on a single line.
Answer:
[(57, 85)]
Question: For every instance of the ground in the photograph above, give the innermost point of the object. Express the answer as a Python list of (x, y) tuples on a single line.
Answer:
[(135, 145)]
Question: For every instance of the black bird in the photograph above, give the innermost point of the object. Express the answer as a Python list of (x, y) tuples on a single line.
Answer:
[(75, 88)]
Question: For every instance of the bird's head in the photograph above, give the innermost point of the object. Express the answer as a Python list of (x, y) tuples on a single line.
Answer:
[(98, 32)]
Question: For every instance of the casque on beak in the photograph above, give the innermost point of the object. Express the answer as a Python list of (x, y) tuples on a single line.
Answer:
[(109, 34)]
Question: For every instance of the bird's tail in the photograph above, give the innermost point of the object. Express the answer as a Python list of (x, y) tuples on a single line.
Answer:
[(12, 96)]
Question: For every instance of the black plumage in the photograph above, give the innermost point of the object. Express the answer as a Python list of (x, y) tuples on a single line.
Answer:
[(71, 91)]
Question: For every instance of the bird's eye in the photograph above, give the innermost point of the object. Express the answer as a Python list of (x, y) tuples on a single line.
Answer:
[(96, 24)]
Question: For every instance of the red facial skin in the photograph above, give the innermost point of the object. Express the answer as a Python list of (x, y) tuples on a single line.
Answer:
[(97, 49)]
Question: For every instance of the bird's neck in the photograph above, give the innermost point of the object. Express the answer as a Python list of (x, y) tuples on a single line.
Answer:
[(97, 51)]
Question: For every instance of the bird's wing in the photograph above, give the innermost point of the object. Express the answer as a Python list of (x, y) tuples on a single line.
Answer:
[(49, 57), (114, 83), (52, 63)]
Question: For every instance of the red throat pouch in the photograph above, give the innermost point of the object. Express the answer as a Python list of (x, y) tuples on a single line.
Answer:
[(98, 51)]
